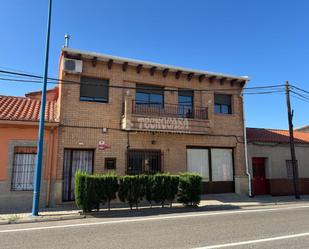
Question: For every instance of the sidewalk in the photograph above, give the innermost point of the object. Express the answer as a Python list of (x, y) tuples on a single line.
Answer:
[(208, 203)]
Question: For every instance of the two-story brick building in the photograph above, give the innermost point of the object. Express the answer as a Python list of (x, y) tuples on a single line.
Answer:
[(135, 116)]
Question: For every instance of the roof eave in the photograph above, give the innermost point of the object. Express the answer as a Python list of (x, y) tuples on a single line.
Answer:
[(120, 60), (28, 122)]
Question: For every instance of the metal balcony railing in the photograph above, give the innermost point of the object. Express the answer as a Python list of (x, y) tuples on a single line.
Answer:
[(169, 110)]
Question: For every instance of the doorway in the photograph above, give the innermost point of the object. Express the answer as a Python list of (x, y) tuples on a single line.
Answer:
[(74, 159), (260, 183)]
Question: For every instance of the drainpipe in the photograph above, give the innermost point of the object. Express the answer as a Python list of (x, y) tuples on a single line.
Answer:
[(50, 165), (246, 149)]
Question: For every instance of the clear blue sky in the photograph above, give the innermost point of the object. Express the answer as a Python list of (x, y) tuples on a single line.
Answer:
[(266, 40)]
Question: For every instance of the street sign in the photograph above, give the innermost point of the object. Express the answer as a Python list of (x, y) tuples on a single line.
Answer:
[(103, 146)]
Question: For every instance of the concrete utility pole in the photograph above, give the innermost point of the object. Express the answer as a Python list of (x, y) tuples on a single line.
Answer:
[(38, 165), (292, 146)]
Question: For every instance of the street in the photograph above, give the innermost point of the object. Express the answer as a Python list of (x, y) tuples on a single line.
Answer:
[(277, 226)]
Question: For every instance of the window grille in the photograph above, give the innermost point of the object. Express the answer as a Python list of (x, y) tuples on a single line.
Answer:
[(144, 161), (23, 168)]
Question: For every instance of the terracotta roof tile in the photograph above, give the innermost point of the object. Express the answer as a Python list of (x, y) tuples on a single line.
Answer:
[(275, 136), (25, 109)]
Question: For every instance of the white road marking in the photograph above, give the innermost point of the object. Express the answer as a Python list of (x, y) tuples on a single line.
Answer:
[(255, 241), (153, 218)]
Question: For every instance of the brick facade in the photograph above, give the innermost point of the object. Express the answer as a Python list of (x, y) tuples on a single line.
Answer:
[(82, 122)]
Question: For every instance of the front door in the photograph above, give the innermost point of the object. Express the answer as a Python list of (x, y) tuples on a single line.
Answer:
[(74, 159), (260, 183)]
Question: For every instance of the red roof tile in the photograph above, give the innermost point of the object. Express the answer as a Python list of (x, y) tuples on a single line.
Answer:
[(25, 109), (276, 136)]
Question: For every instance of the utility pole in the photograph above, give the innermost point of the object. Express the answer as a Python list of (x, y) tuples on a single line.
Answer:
[(38, 165), (292, 146)]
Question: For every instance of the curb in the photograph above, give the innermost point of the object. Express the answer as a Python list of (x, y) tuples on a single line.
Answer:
[(273, 204), (42, 219)]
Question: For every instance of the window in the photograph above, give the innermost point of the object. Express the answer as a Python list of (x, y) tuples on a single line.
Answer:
[(144, 161), (222, 164), (289, 168), (198, 162), (185, 103), (110, 163), (92, 89), (23, 168), (149, 96), (223, 103)]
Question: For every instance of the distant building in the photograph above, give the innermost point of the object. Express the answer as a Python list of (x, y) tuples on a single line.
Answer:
[(270, 161), (303, 129)]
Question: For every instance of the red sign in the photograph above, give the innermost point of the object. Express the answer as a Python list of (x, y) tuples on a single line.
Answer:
[(102, 145)]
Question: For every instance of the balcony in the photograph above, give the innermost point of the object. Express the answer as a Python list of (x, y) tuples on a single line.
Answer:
[(171, 118), (169, 110)]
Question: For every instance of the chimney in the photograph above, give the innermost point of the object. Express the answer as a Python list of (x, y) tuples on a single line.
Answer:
[(66, 41)]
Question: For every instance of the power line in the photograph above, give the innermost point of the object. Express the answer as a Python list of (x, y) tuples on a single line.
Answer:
[(300, 95), (267, 92), (295, 96), (300, 89), (144, 88), (32, 75), (21, 80), (127, 87)]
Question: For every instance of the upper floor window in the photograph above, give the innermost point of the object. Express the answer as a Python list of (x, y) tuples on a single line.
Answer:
[(185, 103), (149, 96), (93, 89), (223, 103)]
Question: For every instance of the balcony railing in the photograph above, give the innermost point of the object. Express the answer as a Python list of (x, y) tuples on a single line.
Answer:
[(169, 110)]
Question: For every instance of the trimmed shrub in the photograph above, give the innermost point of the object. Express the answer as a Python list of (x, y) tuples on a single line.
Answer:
[(165, 188), (190, 189), (80, 191), (109, 184), (100, 190), (172, 188), (86, 197), (159, 189), (148, 184), (131, 189)]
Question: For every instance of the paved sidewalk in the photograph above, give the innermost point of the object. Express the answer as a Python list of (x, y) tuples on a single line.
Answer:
[(208, 203), (245, 201)]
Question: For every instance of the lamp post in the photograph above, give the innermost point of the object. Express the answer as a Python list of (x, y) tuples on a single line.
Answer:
[(38, 164)]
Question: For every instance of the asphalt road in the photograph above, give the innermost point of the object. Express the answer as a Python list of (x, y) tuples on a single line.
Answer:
[(269, 227)]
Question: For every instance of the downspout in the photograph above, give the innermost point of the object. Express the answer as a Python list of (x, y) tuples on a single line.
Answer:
[(246, 148), (51, 152)]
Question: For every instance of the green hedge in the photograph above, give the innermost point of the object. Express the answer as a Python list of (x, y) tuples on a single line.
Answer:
[(190, 189), (93, 190)]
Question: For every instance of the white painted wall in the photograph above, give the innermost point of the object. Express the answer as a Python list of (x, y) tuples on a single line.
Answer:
[(276, 156)]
